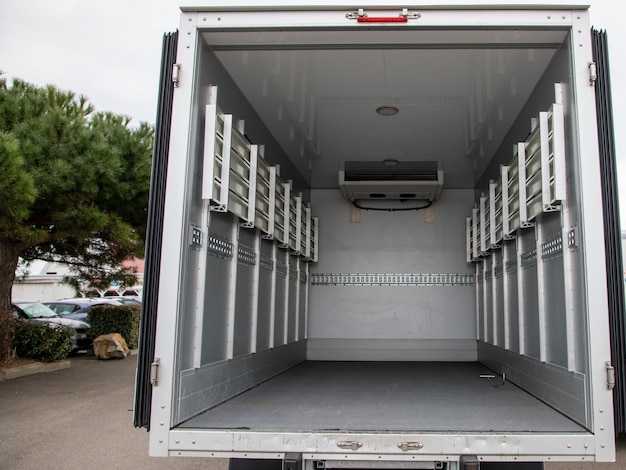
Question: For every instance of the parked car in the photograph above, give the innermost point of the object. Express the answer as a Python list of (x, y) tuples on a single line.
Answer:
[(125, 299), (35, 311), (78, 308)]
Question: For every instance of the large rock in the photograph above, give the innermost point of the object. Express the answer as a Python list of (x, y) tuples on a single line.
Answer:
[(111, 346)]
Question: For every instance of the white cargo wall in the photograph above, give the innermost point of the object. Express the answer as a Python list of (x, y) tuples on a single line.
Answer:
[(243, 288), (394, 285), (530, 281)]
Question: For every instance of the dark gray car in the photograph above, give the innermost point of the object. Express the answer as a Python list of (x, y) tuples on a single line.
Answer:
[(29, 310), (78, 308)]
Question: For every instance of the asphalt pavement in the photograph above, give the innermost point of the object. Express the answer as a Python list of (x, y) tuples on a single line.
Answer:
[(81, 417)]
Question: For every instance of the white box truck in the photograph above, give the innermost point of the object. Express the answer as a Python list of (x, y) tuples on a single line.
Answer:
[(383, 236)]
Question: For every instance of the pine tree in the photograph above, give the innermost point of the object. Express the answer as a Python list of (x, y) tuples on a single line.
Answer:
[(73, 187)]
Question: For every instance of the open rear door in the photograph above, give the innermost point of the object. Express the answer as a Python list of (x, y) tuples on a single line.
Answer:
[(154, 230), (612, 230)]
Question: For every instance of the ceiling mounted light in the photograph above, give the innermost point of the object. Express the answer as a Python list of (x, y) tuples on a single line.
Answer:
[(387, 110), (390, 162)]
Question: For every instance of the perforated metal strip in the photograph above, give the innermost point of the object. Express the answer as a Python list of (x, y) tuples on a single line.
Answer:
[(246, 255), (266, 263), (552, 247), (220, 246), (401, 280), (529, 258)]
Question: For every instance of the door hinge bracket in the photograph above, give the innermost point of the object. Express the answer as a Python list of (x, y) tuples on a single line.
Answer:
[(610, 375), (176, 75), (593, 74), (154, 372)]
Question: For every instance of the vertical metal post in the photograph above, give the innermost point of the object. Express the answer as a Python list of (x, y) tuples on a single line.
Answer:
[(506, 293), (297, 302), (256, 278), (272, 339), (200, 288), (232, 292), (307, 267), (485, 295), (570, 312), (521, 313), (541, 291), (287, 293)]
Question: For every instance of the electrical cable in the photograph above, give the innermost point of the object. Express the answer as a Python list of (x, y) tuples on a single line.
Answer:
[(391, 209)]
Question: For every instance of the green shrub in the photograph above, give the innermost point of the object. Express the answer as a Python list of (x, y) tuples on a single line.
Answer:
[(40, 341), (122, 319)]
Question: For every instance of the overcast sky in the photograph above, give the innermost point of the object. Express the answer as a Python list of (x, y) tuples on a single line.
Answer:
[(109, 51)]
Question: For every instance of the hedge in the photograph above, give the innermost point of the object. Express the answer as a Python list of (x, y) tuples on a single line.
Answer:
[(122, 319), (39, 340)]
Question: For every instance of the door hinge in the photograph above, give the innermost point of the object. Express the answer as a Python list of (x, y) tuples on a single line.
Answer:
[(593, 74), (176, 75), (610, 375), (154, 372)]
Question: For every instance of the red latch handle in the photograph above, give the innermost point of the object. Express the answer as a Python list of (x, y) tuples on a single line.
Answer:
[(382, 19)]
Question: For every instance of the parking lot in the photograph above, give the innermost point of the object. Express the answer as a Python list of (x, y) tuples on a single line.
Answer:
[(76, 418), (81, 417)]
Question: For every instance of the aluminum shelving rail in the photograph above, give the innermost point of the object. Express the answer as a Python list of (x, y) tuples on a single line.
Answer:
[(237, 179)]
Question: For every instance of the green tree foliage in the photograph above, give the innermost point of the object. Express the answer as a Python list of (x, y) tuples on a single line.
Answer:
[(39, 341), (74, 186)]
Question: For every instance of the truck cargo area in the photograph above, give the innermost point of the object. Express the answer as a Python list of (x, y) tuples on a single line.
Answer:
[(386, 397), (378, 228)]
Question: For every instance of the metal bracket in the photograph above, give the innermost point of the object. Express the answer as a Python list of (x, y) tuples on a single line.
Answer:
[(176, 75), (572, 238), (154, 372), (352, 445), (610, 375), (491, 378), (404, 15), (195, 237), (406, 446), (593, 74)]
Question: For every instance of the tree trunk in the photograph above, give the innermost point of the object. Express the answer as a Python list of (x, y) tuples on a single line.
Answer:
[(9, 255)]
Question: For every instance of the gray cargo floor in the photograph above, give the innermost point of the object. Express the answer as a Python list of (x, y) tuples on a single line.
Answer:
[(384, 396)]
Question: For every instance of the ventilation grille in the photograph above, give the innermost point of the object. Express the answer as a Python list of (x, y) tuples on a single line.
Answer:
[(401, 171), (391, 180)]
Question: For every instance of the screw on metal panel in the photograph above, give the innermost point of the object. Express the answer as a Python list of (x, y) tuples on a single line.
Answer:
[(569, 446), (177, 441), (602, 445), (161, 423), (563, 16), (549, 17), (601, 411), (586, 446), (162, 407), (601, 428), (161, 441), (193, 442)]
